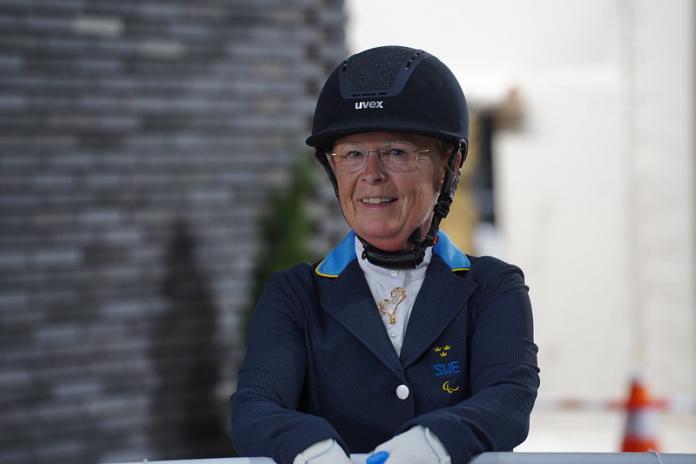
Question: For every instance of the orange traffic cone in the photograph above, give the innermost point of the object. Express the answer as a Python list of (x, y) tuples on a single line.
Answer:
[(641, 425)]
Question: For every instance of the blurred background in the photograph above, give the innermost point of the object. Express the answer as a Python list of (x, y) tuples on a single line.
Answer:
[(153, 173)]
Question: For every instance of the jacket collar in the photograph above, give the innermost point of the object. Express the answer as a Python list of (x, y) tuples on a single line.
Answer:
[(336, 262)]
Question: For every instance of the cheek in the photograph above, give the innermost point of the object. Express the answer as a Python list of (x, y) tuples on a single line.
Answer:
[(343, 185), (346, 205), (428, 196), (421, 195), (345, 192), (427, 185)]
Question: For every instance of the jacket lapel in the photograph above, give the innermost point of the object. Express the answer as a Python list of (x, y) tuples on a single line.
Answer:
[(350, 302), (441, 297)]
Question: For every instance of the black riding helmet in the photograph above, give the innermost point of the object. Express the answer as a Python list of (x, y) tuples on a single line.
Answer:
[(395, 89)]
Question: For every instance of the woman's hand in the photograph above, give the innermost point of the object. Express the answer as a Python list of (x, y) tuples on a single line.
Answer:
[(418, 445), (323, 452)]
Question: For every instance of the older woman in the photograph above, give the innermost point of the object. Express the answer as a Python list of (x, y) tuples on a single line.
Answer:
[(396, 341)]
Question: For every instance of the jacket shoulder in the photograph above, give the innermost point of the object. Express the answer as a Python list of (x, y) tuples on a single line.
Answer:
[(487, 269), (292, 286), (297, 277)]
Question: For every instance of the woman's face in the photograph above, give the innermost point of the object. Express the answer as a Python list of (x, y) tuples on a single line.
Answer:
[(384, 205)]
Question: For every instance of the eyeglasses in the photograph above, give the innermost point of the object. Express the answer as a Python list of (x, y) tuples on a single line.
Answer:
[(394, 157)]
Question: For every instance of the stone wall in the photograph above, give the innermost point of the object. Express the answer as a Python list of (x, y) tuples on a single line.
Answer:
[(137, 142)]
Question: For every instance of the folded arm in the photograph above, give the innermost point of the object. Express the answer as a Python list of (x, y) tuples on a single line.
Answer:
[(264, 417), (503, 372)]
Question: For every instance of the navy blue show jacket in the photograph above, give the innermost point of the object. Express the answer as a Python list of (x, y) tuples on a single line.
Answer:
[(319, 362)]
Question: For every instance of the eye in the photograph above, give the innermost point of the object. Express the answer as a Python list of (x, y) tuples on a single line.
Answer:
[(353, 154), (396, 152)]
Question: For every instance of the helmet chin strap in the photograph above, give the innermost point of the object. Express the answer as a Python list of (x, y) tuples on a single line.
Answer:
[(404, 259), (409, 259)]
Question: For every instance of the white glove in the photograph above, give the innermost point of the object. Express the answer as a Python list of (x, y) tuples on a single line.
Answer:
[(323, 452), (417, 445)]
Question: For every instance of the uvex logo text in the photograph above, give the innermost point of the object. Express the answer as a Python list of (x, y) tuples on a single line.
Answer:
[(362, 105)]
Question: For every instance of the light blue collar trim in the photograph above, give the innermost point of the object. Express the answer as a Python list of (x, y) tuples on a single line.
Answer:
[(450, 254), (336, 261)]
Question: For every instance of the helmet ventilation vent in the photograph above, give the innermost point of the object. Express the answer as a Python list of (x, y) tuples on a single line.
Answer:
[(373, 73)]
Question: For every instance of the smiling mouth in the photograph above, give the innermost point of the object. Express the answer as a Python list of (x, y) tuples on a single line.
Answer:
[(377, 200)]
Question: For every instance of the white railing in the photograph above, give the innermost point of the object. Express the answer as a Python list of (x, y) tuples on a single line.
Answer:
[(492, 458), (583, 458)]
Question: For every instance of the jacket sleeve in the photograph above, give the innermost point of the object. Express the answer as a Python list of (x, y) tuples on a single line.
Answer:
[(263, 411), (503, 370)]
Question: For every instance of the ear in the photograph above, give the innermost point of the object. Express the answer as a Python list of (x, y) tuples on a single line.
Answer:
[(440, 176), (445, 165), (443, 173), (458, 159)]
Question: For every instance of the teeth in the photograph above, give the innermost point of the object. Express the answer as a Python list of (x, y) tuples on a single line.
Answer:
[(377, 200)]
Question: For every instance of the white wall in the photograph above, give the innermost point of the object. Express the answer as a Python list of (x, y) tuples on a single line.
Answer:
[(661, 102), (606, 233)]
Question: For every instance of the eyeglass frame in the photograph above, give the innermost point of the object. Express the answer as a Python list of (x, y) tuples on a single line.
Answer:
[(381, 153)]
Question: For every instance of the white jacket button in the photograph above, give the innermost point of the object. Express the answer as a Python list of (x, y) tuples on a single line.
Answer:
[(402, 392)]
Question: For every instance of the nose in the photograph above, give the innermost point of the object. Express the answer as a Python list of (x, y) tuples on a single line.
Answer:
[(373, 170)]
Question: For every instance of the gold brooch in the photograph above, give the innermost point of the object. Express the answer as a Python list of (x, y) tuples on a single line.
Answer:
[(398, 295)]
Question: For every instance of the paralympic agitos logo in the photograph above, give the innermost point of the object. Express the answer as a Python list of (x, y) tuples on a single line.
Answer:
[(370, 104)]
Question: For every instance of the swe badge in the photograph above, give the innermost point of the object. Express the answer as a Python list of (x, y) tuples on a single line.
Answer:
[(445, 369)]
